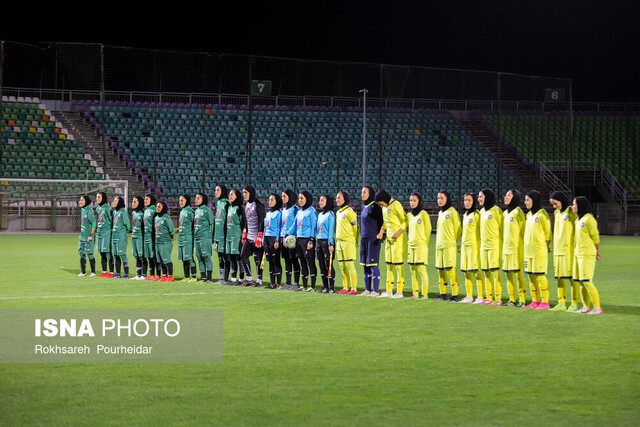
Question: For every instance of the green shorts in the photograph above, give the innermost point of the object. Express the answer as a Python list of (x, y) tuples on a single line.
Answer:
[(137, 247), (219, 246), (119, 247), (185, 253), (84, 247), (203, 248), (149, 250), (163, 252), (232, 247), (103, 243)]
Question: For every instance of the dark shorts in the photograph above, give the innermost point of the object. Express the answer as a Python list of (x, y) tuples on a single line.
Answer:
[(369, 252)]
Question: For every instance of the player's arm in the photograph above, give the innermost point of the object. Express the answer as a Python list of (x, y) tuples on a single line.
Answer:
[(261, 215), (402, 217), (331, 230), (353, 219), (313, 217), (592, 227)]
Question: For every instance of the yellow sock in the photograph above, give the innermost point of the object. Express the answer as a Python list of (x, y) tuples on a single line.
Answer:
[(400, 276), (511, 286), (522, 287), (345, 275), (562, 291), (497, 287), (533, 284), (544, 288), (575, 292), (480, 284), (353, 275), (593, 294), (468, 283), (415, 286), (390, 278), (584, 293), (453, 279), (422, 271), (488, 285), (442, 283)]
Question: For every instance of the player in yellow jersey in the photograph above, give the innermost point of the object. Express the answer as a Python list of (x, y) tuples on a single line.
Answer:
[(587, 251), (470, 247), (537, 236), (513, 249), (419, 231), (491, 220), (394, 225), (347, 235), (448, 232), (564, 225)]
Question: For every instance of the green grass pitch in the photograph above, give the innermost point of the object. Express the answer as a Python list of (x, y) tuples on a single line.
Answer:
[(293, 358)]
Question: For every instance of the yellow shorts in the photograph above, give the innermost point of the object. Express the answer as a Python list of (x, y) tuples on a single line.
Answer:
[(511, 263), (489, 259), (536, 265), (395, 251), (562, 267), (469, 259), (418, 255), (446, 258), (583, 268), (345, 251)]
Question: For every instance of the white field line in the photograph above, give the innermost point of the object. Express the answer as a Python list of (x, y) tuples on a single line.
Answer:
[(167, 294)]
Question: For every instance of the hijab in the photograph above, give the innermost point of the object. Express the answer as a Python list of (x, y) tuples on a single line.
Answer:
[(104, 198), (292, 198), (489, 198), (383, 196), (224, 192), (188, 199), (415, 211), (535, 198), (164, 209), (205, 199), (448, 204), (87, 200), (330, 203), (120, 203), (515, 200), (372, 195), (152, 199), (309, 199), (238, 200), (278, 204), (347, 199), (140, 203), (584, 207), (561, 197), (474, 204)]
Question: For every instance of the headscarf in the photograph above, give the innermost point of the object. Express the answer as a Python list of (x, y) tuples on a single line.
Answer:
[(224, 192), (104, 198), (164, 209), (584, 207), (140, 203), (347, 199), (252, 193), (372, 195), (489, 198), (535, 199), (152, 199), (309, 201), (188, 199), (383, 196), (561, 197), (515, 200), (87, 200), (238, 201), (205, 199), (448, 204), (120, 203), (278, 204), (415, 211), (292, 198), (474, 204), (330, 203)]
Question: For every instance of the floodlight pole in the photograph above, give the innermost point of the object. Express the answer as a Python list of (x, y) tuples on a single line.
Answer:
[(364, 136)]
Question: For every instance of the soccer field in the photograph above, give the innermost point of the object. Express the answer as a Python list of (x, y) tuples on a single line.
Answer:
[(295, 358)]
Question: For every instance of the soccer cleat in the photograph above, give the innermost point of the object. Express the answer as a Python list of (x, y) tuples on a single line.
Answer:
[(324, 290), (487, 302), (343, 292), (92, 275), (534, 304), (466, 300), (596, 310), (257, 285), (109, 275), (294, 288), (102, 274), (411, 297), (364, 294), (332, 291), (374, 294), (454, 298), (521, 304), (543, 306), (479, 301), (397, 295), (559, 307), (301, 289), (186, 279), (162, 279), (134, 278), (584, 309), (116, 276), (193, 279), (497, 302), (150, 277), (169, 279), (80, 275), (385, 295), (352, 292), (310, 289), (424, 298), (572, 308), (219, 282), (511, 304), (126, 276)]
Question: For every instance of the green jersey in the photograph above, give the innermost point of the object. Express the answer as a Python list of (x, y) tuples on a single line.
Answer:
[(137, 227), (164, 229), (121, 225), (87, 222), (203, 223), (220, 227), (147, 223), (105, 219), (236, 222), (185, 224)]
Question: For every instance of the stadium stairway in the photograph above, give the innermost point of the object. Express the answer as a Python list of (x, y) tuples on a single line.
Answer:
[(508, 157), (88, 138)]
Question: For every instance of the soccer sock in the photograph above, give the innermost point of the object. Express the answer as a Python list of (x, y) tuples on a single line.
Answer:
[(163, 269), (345, 275), (586, 299), (83, 264), (353, 275), (193, 268), (533, 284), (593, 293), (375, 278), (575, 292), (480, 284), (522, 286), (400, 275), (453, 279), (170, 269), (111, 262), (442, 281), (138, 266), (562, 291), (415, 286), (468, 283), (103, 261), (152, 267), (159, 267), (118, 262), (367, 278), (488, 285), (390, 278), (92, 263), (497, 286), (209, 265), (511, 286), (424, 278), (186, 268)]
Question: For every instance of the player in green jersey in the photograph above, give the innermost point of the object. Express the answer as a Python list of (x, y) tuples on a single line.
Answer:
[(149, 237), (203, 223), (103, 234), (236, 222), (119, 231), (185, 239), (137, 240), (165, 231), (87, 232), (219, 233)]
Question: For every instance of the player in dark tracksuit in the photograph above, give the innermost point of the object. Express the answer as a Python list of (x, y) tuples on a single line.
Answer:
[(255, 212), (370, 224), (291, 265)]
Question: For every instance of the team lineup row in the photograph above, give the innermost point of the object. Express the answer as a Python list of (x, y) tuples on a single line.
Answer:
[(486, 238)]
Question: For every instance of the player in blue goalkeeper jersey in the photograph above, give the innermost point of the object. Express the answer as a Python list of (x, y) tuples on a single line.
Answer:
[(272, 226), (291, 264)]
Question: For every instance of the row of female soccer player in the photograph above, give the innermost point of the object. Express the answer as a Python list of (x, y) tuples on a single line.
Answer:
[(490, 239)]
